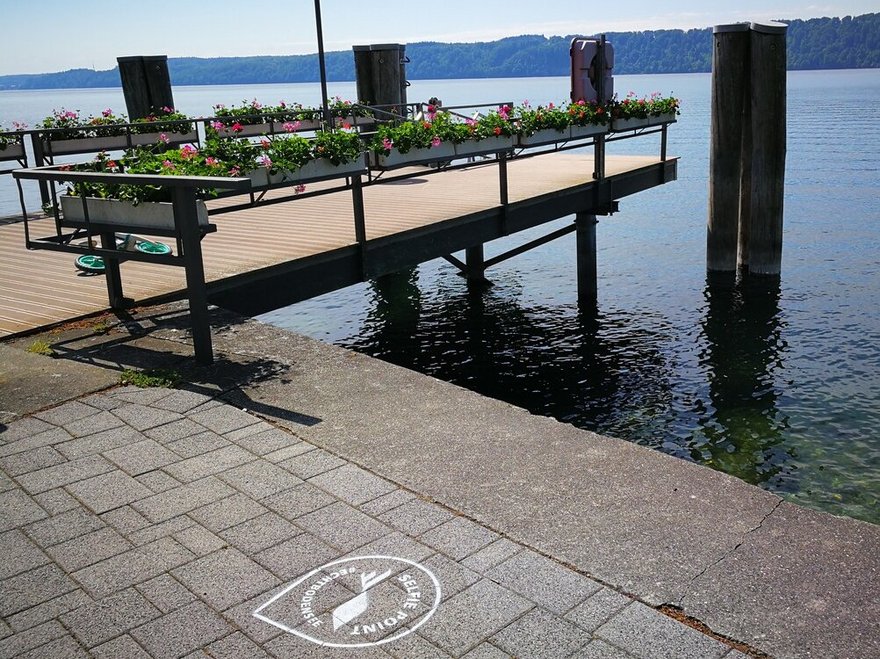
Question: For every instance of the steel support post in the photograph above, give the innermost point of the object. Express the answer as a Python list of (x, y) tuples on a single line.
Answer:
[(186, 219)]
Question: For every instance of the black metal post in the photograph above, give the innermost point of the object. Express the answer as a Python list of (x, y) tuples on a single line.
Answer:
[(323, 67), (112, 273), (599, 147), (39, 161), (187, 222)]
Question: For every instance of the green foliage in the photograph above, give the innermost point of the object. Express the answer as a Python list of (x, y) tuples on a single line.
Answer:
[(67, 124), (156, 377), (40, 347)]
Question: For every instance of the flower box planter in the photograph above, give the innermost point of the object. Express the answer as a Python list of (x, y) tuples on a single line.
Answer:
[(112, 143), (143, 216), (580, 132), (267, 128), (633, 123), (319, 169), (445, 151), (14, 151), (543, 136), (483, 147)]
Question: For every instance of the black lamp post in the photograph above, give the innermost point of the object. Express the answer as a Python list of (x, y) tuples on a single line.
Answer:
[(321, 64)]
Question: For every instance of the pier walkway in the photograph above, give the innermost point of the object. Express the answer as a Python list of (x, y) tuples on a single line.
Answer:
[(309, 244), (156, 522)]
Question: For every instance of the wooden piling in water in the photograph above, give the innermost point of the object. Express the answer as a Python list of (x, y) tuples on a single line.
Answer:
[(747, 152), (730, 84), (768, 107)]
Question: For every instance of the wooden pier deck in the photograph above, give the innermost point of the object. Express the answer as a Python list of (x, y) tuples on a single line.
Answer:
[(312, 240)]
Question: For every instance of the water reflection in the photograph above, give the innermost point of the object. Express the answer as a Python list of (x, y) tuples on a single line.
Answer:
[(577, 365), (742, 431)]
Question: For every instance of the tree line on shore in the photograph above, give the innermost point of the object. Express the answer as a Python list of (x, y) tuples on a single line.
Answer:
[(818, 43)]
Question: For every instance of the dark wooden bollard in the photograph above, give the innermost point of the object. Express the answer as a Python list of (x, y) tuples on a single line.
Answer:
[(587, 276), (380, 70), (730, 83), (768, 107), (146, 84)]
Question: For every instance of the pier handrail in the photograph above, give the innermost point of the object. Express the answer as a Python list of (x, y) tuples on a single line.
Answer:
[(187, 231)]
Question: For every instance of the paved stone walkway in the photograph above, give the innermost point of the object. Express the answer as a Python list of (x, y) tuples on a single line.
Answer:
[(137, 523)]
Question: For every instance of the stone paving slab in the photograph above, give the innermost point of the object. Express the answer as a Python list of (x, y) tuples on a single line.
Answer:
[(648, 524), (102, 565)]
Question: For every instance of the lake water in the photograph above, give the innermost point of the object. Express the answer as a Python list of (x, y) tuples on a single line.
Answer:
[(779, 386)]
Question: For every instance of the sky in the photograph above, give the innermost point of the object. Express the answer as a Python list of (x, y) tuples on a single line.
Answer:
[(42, 36)]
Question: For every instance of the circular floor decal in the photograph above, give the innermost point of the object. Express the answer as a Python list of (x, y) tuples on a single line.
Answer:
[(355, 602)]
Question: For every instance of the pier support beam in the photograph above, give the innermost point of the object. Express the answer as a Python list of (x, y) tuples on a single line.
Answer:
[(586, 258), (476, 263)]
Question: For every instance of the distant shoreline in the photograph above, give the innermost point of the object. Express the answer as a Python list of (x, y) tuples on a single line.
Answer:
[(816, 44)]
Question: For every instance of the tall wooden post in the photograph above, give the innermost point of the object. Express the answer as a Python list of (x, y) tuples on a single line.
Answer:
[(586, 258), (730, 82), (146, 84), (768, 107)]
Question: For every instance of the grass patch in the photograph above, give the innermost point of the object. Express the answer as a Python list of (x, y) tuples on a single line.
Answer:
[(40, 347), (101, 327), (156, 377)]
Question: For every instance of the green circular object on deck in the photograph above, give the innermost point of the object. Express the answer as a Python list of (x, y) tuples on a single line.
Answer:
[(90, 263), (149, 247)]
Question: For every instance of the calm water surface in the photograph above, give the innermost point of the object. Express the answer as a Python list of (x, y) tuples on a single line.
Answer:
[(779, 386)]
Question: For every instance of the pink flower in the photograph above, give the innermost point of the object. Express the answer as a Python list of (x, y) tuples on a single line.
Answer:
[(282, 104), (210, 161), (550, 106), (265, 143), (387, 144), (299, 189), (236, 127), (581, 101), (504, 111), (255, 105), (235, 171), (188, 151), (435, 141), (164, 138), (167, 110), (19, 125), (265, 161), (291, 126), (111, 164), (167, 164), (217, 125), (108, 112), (471, 122)]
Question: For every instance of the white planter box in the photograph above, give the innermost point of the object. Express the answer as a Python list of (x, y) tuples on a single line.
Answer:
[(318, 170), (259, 178), (579, 132), (632, 124), (144, 216), (12, 151), (446, 151), (483, 147), (543, 136), (113, 143)]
